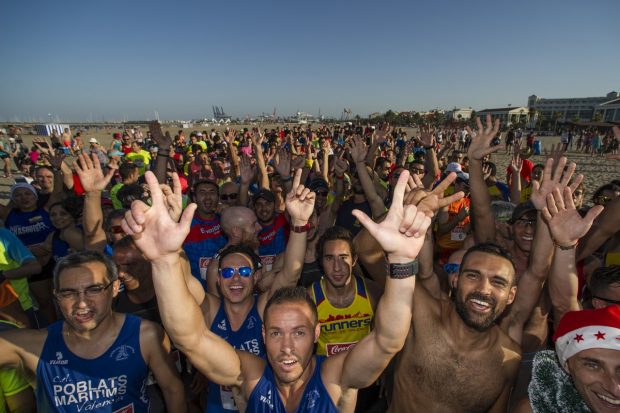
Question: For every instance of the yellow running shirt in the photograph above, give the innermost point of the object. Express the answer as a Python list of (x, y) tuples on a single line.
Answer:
[(341, 328)]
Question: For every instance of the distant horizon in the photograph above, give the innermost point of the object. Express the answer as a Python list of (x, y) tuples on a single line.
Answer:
[(75, 61)]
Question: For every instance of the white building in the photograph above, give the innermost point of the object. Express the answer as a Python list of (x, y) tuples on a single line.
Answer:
[(508, 116), (610, 110), (459, 114), (567, 109)]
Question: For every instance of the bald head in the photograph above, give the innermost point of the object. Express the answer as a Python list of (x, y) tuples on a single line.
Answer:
[(237, 216)]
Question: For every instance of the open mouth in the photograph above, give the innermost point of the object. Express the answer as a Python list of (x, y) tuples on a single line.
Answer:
[(83, 316), (480, 305), (608, 401)]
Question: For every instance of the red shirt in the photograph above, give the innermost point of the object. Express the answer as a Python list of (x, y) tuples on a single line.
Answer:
[(526, 171)]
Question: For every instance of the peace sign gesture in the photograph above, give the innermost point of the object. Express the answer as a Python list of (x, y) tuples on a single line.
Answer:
[(401, 234)]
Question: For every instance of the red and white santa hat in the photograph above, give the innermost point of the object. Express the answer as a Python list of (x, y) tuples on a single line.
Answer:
[(583, 330)]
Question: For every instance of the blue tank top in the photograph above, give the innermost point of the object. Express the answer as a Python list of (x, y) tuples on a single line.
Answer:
[(249, 337), (60, 248), (30, 227), (113, 382), (266, 399)]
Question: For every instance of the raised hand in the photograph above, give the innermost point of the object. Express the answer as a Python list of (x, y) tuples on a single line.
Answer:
[(565, 223), (427, 136), (297, 162), (247, 170), (55, 160), (554, 176), (299, 201), (401, 234), (382, 132), (283, 164), (153, 230), (481, 140), (358, 149), (432, 201), (516, 164), (90, 173), (340, 166), (173, 197), (163, 140)]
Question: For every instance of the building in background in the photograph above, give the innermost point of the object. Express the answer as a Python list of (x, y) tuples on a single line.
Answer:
[(562, 110), (518, 116), (608, 111), (459, 114)]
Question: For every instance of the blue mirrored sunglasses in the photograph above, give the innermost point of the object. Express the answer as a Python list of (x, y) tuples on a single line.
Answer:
[(229, 272), (451, 267)]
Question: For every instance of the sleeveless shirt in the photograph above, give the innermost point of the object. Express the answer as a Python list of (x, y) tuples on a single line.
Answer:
[(342, 328), (248, 338), (266, 399), (112, 382)]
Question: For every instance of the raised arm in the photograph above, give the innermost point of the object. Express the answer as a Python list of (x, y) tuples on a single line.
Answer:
[(257, 141), (401, 235), (94, 182), (164, 142), (566, 227), (604, 228), (427, 139), (160, 239), (484, 227), (357, 149), (531, 282), (515, 184)]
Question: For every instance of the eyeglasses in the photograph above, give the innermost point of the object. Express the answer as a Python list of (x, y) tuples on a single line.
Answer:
[(226, 197), (117, 229), (93, 291), (229, 272), (524, 222), (451, 267), (607, 300)]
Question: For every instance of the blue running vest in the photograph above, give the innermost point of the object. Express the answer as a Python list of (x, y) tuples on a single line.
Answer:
[(248, 338), (113, 382), (266, 399)]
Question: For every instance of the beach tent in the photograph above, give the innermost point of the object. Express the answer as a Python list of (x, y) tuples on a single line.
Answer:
[(47, 129)]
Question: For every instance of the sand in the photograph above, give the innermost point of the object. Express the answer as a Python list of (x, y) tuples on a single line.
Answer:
[(597, 171)]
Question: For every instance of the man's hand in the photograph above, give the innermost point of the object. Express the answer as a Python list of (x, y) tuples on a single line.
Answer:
[(173, 197), (401, 234), (516, 164), (565, 223), (340, 166), (153, 230), (55, 160), (247, 170), (283, 164), (358, 149), (481, 140), (554, 176), (299, 202), (162, 140), (381, 133), (427, 136), (90, 173), (434, 200)]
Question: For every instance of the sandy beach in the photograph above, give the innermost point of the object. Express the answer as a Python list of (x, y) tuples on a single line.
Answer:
[(597, 171)]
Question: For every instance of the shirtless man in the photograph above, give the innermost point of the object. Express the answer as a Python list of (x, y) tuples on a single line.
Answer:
[(291, 377), (456, 357)]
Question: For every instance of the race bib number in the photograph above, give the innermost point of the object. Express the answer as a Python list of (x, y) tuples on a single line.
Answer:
[(457, 234), (267, 262), (228, 400), (335, 348), (204, 265)]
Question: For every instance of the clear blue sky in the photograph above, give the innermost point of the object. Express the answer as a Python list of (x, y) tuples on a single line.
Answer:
[(114, 59)]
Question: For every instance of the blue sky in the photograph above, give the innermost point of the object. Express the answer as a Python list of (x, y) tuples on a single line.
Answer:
[(81, 60)]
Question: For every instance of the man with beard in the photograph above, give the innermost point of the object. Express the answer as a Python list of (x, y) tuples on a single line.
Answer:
[(96, 359), (275, 228), (526, 225), (205, 237), (291, 376)]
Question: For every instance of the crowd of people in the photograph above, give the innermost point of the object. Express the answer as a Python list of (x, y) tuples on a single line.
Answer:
[(309, 269)]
